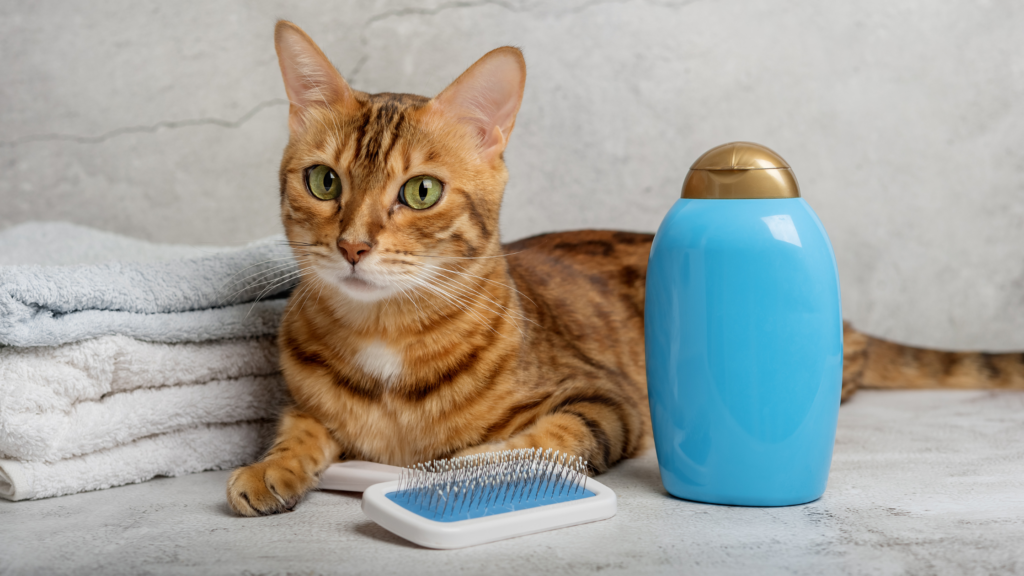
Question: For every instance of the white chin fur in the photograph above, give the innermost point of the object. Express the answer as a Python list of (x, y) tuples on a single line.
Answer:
[(364, 285), (362, 290)]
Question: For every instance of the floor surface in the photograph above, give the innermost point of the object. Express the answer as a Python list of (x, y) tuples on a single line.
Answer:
[(926, 482)]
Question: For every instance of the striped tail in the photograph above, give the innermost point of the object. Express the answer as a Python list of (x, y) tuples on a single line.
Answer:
[(873, 363)]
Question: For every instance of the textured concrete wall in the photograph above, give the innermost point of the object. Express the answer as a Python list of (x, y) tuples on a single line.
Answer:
[(904, 121)]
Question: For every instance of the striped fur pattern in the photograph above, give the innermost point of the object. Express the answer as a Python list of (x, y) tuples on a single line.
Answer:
[(875, 363), (415, 334)]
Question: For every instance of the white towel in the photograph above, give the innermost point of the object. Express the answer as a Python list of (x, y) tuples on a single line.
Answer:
[(63, 283), (116, 367), (173, 454), (59, 402)]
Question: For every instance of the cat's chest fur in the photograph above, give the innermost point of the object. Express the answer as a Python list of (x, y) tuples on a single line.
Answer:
[(386, 427), (358, 393), (388, 431), (377, 359)]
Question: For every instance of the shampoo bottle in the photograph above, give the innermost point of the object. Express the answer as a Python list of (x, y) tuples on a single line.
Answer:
[(743, 333)]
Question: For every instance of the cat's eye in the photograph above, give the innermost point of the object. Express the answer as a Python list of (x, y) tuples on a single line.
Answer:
[(420, 192), (323, 182)]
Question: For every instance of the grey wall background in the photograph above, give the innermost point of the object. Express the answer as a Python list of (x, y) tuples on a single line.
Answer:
[(904, 122)]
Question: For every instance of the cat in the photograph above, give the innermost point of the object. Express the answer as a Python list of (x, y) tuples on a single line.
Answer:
[(414, 333)]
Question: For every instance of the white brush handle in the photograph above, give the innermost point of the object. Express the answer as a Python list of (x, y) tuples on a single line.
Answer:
[(356, 475), (462, 533)]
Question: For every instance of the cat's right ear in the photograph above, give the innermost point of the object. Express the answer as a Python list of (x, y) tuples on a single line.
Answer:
[(486, 97), (310, 80)]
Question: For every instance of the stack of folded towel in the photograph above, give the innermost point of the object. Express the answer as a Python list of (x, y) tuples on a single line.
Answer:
[(121, 360)]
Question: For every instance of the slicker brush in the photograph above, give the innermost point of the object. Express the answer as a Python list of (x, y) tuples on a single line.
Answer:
[(486, 497)]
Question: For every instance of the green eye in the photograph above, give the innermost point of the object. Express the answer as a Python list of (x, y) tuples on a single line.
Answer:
[(323, 182), (420, 192)]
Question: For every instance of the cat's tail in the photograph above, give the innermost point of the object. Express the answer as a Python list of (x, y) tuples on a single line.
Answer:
[(870, 362)]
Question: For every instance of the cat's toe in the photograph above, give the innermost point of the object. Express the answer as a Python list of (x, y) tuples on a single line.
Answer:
[(263, 489)]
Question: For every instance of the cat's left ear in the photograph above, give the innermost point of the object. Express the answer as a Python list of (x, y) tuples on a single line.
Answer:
[(487, 97)]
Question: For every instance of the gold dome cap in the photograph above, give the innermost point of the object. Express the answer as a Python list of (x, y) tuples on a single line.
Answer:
[(740, 170)]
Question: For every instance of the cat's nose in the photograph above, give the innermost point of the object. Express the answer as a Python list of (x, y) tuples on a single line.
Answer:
[(353, 251)]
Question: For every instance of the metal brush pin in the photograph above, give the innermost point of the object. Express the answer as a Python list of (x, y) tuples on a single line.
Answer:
[(477, 485)]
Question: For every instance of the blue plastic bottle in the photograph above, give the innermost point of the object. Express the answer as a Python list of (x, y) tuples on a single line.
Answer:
[(743, 331)]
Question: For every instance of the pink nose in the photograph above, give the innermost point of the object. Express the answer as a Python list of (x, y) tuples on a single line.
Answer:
[(353, 251)]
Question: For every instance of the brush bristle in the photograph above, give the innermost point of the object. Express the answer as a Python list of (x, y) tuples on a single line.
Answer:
[(491, 483)]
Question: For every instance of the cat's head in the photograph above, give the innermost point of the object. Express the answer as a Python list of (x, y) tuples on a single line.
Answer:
[(379, 191)]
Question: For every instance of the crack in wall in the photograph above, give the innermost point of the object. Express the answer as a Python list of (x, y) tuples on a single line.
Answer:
[(364, 41), (460, 4), (356, 69), (143, 129)]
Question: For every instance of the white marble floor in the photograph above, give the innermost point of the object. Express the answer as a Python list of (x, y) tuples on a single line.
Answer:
[(922, 483)]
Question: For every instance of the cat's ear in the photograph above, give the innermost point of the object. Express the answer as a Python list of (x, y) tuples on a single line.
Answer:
[(487, 97), (310, 80)]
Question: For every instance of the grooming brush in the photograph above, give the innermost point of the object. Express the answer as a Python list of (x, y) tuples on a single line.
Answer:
[(487, 497)]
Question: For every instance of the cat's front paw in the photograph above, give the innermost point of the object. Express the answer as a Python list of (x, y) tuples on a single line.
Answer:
[(268, 487)]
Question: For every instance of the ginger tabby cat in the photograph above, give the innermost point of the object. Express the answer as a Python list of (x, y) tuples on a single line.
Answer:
[(414, 333)]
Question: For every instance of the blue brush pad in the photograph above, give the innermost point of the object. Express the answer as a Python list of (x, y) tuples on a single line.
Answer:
[(437, 510)]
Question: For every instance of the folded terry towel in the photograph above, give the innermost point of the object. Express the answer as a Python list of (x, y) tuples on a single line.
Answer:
[(59, 402), (172, 454), (135, 288)]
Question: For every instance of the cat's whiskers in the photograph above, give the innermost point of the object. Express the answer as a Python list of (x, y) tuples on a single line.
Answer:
[(465, 303), (414, 281), (451, 290), (302, 289), (306, 248), (412, 299), (267, 261), (315, 280), (462, 273), (510, 314), (466, 295), (307, 285), (419, 316), (465, 257), (460, 303), (265, 272), (291, 276), (273, 275), (468, 290), (319, 292)]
